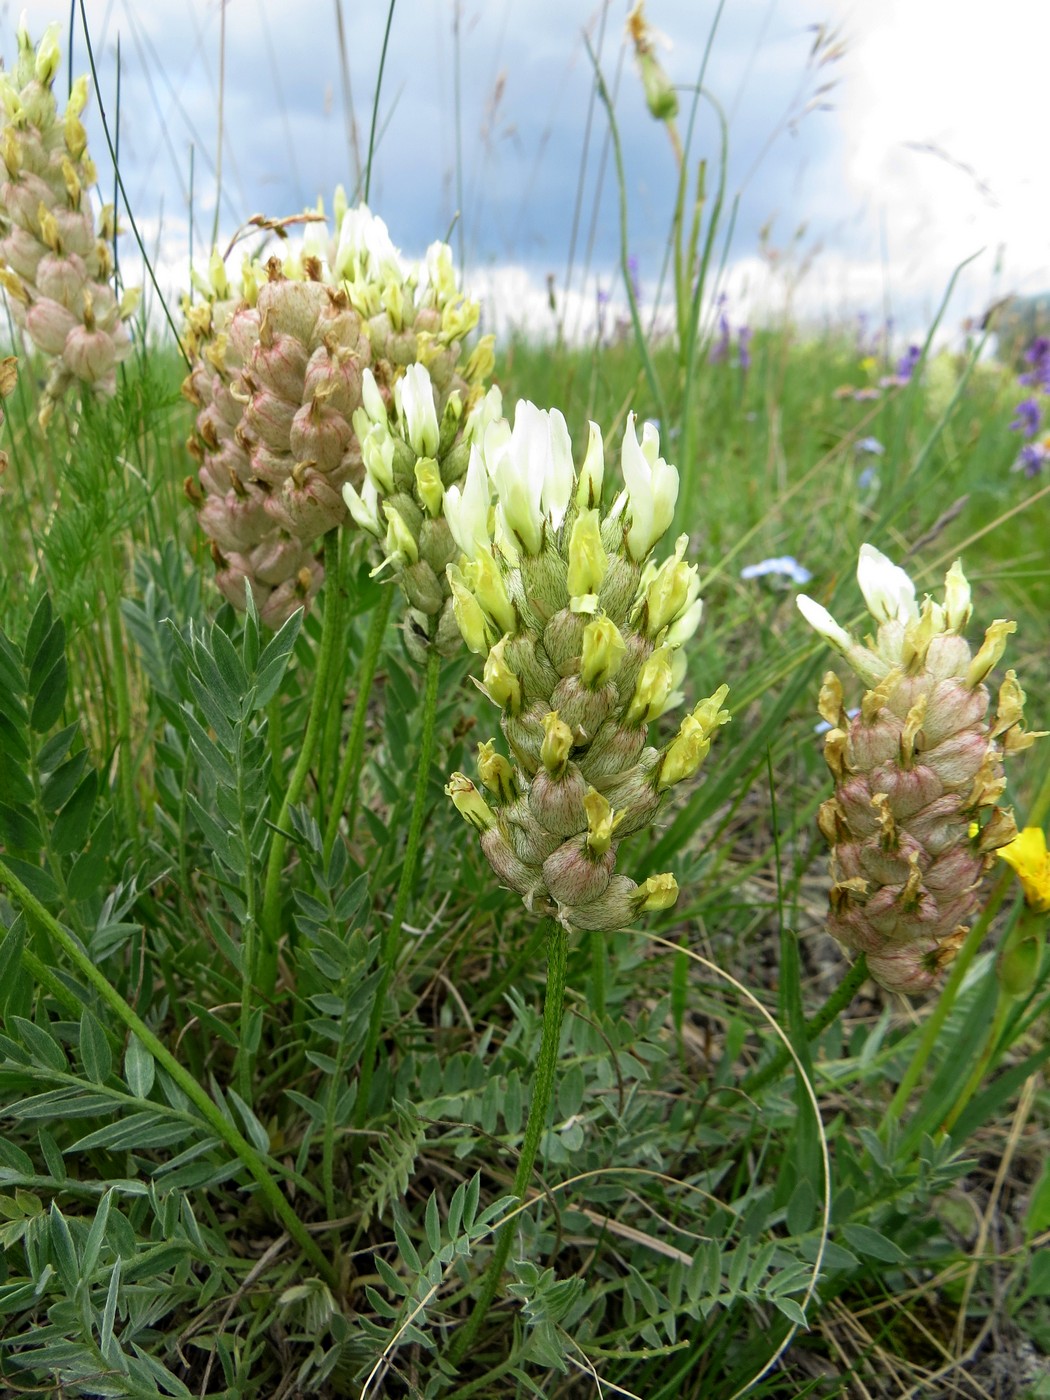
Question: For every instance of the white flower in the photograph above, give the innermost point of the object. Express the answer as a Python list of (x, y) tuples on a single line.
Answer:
[(372, 399), (868, 666), (531, 469), (685, 625), (364, 508), (488, 409), (377, 453), (415, 407), (437, 274), (821, 621), (365, 247), (888, 591), (652, 488), (467, 507)]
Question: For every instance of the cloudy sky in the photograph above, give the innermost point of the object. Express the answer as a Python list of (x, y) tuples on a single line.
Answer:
[(873, 146)]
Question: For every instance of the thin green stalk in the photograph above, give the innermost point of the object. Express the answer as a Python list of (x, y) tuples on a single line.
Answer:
[(832, 1008), (118, 671), (390, 942), (348, 782), (321, 699), (208, 1109), (337, 681), (935, 1021), (542, 1089), (97, 90), (249, 933), (632, 301), (375, 102)]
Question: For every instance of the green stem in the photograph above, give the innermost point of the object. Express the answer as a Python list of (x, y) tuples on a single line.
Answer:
[(249, 934), (835, 1004), (337, 681), (937, 1017), (322, 698), (348, 781), (539, 1107), (208, 1110), (119, 674), (390, 941), (41, 973)]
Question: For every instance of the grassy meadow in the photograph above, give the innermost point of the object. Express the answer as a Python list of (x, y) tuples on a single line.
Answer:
[(270, 1025)]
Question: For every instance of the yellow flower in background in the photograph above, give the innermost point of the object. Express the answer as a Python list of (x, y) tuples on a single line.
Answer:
[(1028, 856)]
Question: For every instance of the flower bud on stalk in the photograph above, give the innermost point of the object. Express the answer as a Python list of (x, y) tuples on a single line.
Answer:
[(294, 376), (918, 772), (56, 260), (582, 654)]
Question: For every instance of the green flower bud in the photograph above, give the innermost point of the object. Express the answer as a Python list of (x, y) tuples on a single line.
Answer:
[(469, 803), (400, 543), (500, 683), (557, 744), (658, 892), (602, 654), (588, 561), (652, 688), (497, 773), (470, 618), (589, 485), (688, 750), (601, 823), (428, 484)]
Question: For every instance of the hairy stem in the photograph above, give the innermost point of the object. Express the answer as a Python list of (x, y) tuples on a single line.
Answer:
[(539, 1106)]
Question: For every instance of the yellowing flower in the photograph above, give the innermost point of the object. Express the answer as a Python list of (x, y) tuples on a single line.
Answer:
[(1028, 856)]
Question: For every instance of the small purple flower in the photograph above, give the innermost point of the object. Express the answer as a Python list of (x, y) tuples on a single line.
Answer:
[(784, 566), (632, 268), (1027, 416), (720, 349), (1038, 356), (869, 445), (869, 480), (743, 343), (1032, 459), (908, 361), (603, 297)]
